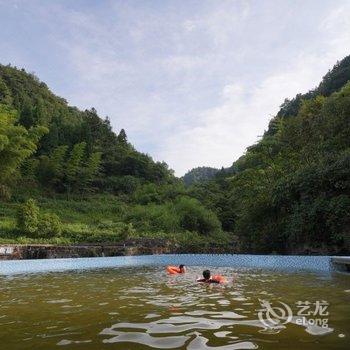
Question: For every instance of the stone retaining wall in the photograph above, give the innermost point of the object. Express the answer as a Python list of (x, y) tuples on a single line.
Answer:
[(11, 252), (144, 247)]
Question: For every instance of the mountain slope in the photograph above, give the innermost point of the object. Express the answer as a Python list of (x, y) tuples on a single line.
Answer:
[(199, 174), (291, 190), (333, 81), (120, 165)]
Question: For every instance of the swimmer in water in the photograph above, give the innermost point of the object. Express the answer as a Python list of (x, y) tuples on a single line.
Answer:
[(208, 279), (173, 270), (182, 268)]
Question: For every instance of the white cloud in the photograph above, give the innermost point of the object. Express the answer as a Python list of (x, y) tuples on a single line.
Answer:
[(189, 25), (175, 84), (336, 28), (225, 131), (193, 83)]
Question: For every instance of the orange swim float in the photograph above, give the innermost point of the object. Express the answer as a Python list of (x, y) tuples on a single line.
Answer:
[(219, 278), (173, 270)]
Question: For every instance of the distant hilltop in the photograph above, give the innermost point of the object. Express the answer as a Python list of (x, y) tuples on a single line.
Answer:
[(199, 174)]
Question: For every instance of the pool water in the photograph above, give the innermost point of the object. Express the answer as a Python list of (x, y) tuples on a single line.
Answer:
[(142, 307)]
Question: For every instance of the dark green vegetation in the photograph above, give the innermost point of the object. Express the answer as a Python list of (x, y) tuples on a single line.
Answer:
[(199, 174), (290, 192)]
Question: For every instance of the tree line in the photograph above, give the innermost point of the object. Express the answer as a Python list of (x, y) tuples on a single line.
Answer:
[(65, 149)]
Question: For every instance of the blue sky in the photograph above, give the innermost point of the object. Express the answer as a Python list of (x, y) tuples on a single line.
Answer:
[(192, 82)]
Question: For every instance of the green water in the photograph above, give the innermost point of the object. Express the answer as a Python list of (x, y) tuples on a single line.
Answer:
[(143, 308)]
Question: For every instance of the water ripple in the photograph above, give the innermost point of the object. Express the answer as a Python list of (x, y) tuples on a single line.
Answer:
[(142, 308)]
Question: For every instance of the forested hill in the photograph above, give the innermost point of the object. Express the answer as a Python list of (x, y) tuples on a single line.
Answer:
[(96, 158), (333, 81), (66, 177), (199, 174), (291, 190)]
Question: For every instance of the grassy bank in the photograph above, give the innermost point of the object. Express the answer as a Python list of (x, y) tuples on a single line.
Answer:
[(109, 219)]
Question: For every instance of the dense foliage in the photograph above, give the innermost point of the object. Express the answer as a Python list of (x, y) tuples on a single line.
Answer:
[(94, 157), (16, 144), (199, 174), (35, 224), (291, 190)]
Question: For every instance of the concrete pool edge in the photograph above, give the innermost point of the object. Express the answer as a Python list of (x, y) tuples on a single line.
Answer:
[(276, 262), (341, 263)]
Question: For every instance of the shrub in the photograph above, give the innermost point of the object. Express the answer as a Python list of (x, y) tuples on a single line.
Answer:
[(49, 226), (154, 218), (28, 217), (196, 218), (31, 223), (104, 231), (127, 231), (116, 230), (5, 193), (124, 184), (147, 194)]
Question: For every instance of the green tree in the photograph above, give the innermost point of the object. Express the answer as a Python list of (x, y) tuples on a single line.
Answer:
[(16, 144), (90, 171), (73, 166), (28, 217), (5, 93), (122, 139), (194, 217), (49, 226)]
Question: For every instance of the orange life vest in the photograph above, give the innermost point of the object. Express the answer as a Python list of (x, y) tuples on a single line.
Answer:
[(219, 278), (173, 270)]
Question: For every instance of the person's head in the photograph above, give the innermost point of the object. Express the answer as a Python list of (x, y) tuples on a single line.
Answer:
[(206, 274), (182, 268)]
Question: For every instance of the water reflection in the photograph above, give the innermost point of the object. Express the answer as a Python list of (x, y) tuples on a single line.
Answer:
[(143, 308)]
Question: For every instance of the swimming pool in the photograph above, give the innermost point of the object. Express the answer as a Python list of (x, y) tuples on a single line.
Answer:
[(131, 303)]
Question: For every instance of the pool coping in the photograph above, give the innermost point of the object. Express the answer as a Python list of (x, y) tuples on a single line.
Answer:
[(341, 263)]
